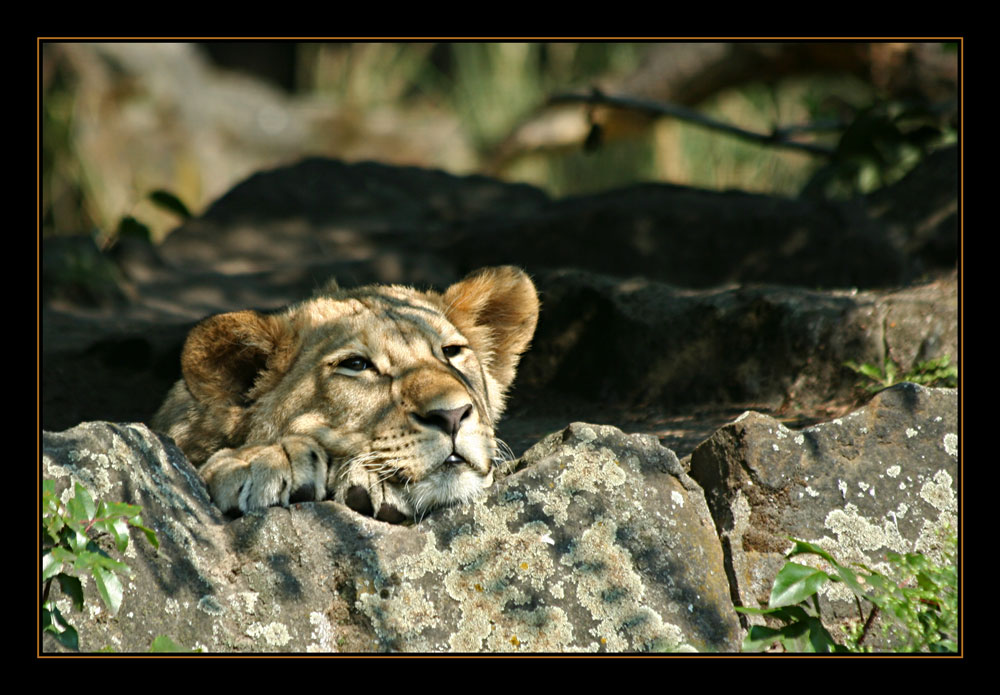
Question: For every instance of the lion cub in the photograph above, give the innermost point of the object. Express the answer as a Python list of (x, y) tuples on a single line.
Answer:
[(381, 397)]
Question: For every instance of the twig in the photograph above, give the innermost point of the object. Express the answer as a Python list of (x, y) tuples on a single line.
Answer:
[(776, 139), (868, 624)]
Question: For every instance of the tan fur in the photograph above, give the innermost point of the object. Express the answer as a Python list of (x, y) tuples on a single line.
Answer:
[(367, 390)]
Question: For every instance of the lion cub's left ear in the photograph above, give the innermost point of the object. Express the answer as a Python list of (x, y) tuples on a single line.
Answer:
[(497, 310)]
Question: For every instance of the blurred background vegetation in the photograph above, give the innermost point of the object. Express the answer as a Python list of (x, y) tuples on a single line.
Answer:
[(135, 137)]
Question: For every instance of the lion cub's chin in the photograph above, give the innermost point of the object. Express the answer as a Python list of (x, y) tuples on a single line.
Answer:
[(447, 485)]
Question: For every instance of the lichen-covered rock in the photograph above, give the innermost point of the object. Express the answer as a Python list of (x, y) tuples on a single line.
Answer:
[(600, 543), (171, 590), (882, 479)]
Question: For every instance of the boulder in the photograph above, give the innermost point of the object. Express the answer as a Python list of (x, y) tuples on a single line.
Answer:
[(881, 479), (600, 542), (640, 342)]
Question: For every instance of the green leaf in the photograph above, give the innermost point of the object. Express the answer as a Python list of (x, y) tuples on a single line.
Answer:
[(795, 583), (130, 227), (88, 501), (51, 564), (916, 562), (844, 574), (81, 507), (760, 637), (171, 203), (57, 626), (944, 646), (109, 587), (117, 528), (163, 643), (61, 554), (136, 522), (819, 640), (53, 524), (88, 559), (869, 370), (50, 503), (802, 635), (786, 613), (880, 588), (805, 547), (76, 539), (121, 509), (121, 534), (72, 587), (890, 372)]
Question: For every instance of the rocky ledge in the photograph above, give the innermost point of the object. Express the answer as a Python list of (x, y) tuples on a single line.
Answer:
[(599, 541)]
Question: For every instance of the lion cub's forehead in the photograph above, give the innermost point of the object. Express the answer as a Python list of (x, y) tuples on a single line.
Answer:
[(376, 314)]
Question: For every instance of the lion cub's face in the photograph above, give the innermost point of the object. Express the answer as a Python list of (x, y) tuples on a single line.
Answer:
[(396, 391)]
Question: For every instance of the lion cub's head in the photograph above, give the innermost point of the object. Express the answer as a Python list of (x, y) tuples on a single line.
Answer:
[(398, 389)]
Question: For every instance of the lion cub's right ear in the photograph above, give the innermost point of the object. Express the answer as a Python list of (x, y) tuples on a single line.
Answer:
[(224, 356)]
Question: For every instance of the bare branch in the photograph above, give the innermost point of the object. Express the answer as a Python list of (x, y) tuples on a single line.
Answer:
[(778, 138)]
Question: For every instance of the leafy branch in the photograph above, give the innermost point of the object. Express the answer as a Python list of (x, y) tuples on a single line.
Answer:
[(69, 551), (131, 227), (878, 143), (922, 599), (936, 372)]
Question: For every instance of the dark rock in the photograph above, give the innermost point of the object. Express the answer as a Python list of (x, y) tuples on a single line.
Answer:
[(74, 271), (882, 479), (920, 211), (695, 238), (281, 234), (642, 342), (323, 209)]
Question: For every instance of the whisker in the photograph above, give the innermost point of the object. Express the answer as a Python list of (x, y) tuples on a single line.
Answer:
[(361, 460), (505, 449), (386, 470), (504, 458)]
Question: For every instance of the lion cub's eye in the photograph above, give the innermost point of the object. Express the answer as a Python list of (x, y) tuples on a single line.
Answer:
[(452, 350), (356, 363)]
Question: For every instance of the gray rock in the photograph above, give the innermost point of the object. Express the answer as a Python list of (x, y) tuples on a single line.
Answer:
[(882, 479), (169, 590), (600, 543)]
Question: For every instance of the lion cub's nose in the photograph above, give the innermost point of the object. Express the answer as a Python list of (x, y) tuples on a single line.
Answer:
[(447, 420)]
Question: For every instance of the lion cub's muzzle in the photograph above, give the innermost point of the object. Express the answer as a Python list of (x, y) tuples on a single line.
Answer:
[(448, 421), (453, 464)]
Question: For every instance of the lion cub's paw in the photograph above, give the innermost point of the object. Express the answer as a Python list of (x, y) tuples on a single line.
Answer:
[(254, 477), (367, 492)]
